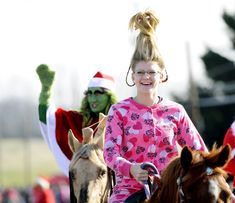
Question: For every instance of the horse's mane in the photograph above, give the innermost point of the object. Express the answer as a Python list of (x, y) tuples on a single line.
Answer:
[(173, 169), (88, 151)]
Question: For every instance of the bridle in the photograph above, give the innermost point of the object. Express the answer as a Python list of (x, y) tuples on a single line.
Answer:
[(183, 197), (83, 155), (80, 154)]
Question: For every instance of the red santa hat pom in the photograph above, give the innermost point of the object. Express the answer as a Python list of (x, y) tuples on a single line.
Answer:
[(43, 182), (102, 80)]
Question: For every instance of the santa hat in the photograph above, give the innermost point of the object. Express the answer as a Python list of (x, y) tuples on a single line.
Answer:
[(102, 80), (230, 139)]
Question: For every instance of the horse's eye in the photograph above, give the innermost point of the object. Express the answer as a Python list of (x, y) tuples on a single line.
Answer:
[(101, 172), (72, 175)]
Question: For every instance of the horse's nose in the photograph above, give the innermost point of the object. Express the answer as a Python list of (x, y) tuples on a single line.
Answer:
[(83, 198)]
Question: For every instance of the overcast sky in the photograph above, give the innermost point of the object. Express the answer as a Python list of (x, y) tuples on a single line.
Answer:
[(77, 38)]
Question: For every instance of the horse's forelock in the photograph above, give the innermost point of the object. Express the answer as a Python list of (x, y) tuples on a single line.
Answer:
[(84, 152)]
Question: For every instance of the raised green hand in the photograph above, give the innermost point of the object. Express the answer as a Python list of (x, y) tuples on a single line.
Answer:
[(46, 76)]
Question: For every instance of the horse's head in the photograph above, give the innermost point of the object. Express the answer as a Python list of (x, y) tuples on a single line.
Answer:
[(87, 169), (202, 177), (196, 176)]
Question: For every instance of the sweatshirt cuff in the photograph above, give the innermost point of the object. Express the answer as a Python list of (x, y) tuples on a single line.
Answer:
[(124, 168)]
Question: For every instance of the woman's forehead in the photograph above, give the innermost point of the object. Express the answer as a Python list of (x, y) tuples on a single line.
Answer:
[(147, 65)]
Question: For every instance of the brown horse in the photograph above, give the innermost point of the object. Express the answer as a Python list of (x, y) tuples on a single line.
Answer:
[(195, 177), (89, 175)]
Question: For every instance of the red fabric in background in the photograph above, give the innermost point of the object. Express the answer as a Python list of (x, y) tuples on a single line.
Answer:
[(66, 120), (229, 138), (42, 195)]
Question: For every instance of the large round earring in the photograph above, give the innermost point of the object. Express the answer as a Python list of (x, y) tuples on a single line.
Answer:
[(128, 84), (166, 77)]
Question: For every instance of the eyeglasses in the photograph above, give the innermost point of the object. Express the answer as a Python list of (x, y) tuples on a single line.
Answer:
[(141, 73)]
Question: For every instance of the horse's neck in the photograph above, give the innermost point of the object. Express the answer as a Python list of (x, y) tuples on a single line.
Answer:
[(167, 191)]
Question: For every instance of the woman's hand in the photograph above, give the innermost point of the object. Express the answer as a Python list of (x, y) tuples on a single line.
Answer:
[(139, 174)]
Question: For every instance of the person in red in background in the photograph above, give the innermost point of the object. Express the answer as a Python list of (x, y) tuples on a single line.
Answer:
[(229, 138), (11, 195), (41, 192)]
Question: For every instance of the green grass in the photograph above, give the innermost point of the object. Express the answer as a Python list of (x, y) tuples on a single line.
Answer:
[(21, 161)]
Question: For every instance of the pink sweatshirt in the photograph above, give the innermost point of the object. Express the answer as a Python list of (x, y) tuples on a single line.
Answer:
[(136, 133)]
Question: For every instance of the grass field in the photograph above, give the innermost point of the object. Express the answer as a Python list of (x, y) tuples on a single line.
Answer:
[(21, 161)]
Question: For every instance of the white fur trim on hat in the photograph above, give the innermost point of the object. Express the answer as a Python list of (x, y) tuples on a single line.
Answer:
[(233, 127), (233, 153), (102, 80), (43, 182)]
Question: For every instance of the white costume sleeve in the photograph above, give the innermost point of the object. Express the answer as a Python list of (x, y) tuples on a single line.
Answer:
[(49, 135)]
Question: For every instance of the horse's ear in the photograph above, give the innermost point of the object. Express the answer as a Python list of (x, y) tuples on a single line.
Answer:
[(186, 158), (100, 142), (99, 135), (74, 144), (221, 157), (87, 134)]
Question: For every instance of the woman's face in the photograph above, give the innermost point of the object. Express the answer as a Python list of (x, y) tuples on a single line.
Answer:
[(147, 76), (97, 99)]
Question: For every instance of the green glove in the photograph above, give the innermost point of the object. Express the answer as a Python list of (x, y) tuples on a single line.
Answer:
[(46, 77)]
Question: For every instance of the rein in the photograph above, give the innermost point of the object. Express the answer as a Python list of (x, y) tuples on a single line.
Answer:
[(96, 123)]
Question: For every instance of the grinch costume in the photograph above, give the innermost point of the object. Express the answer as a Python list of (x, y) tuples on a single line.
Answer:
[(56, 122), (229, 138)]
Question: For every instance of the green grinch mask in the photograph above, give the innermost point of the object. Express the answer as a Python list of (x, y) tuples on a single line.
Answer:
[(97, 99)]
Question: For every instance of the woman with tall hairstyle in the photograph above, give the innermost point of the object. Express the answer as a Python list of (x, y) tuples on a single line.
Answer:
[(145, 127)]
